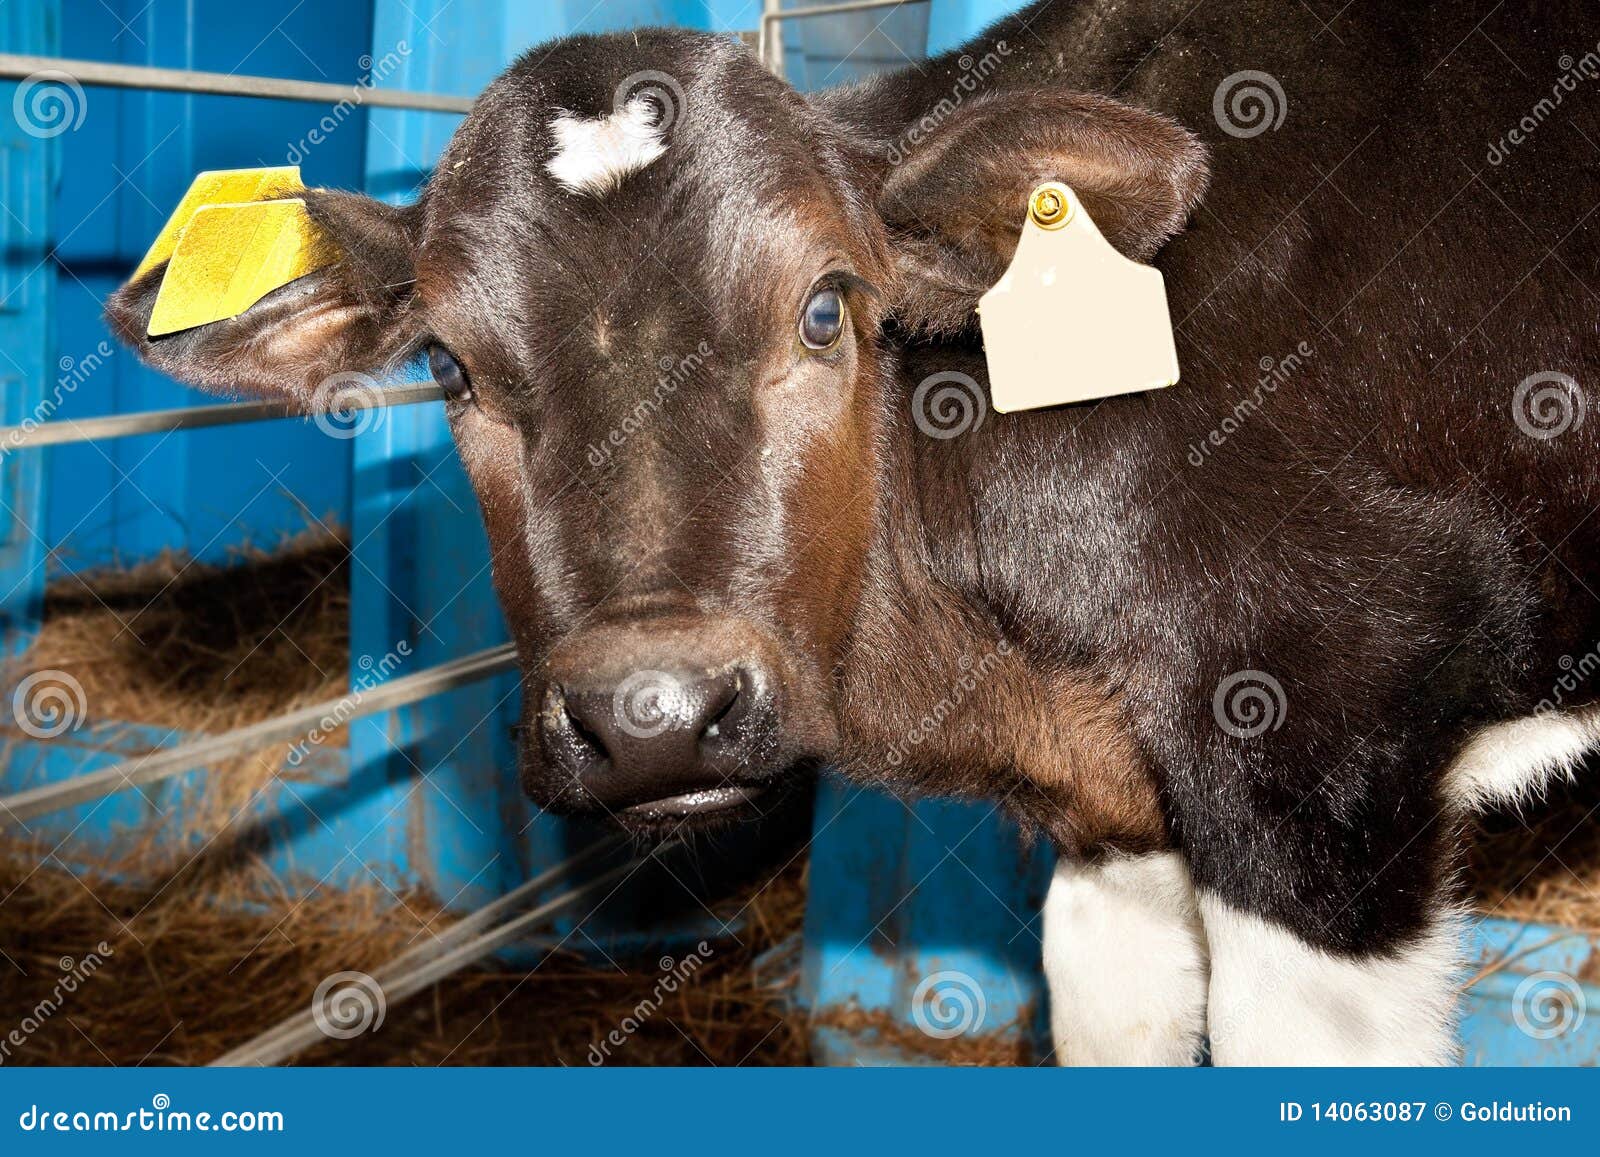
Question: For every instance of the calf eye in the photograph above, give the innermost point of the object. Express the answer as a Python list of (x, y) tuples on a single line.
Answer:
[(823, 321), (447, 372)]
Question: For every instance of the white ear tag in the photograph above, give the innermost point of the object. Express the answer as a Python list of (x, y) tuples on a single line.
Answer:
[(1073, 319)]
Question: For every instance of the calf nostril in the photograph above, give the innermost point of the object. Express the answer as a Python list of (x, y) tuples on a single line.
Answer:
[(581, 731), (720, 716)]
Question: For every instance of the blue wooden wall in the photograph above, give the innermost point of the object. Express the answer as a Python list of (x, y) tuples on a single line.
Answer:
[(121, 173)]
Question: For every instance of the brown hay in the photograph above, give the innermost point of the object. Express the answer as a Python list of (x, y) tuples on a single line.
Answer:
[(207, 958), (902, 1042), (202, 648), (1543, 865), (205, 647), (189, 977)]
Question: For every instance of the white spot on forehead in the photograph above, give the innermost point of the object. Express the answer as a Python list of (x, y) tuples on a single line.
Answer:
[(596, 154)]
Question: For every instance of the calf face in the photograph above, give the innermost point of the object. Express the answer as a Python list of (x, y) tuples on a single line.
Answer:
[(665, 294)]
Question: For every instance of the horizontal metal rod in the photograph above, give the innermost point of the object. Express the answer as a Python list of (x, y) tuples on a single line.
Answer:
[(163, 763), (94, 72), (301, 1031), (63, 431), (836, 9), (770, 20), (436, 945)]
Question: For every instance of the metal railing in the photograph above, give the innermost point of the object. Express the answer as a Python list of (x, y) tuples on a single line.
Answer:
[(68, 430), (163, 763), (771, 48), (94, 72), (496, 924), (457, 947)]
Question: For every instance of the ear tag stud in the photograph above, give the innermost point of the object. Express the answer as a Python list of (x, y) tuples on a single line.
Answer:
[(1072, 319), (236, 236)]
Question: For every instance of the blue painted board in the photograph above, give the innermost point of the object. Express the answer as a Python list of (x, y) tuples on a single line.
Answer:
[(29, 162), (123, 169)]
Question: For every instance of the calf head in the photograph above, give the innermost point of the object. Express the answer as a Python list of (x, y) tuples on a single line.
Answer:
[(663, 293)]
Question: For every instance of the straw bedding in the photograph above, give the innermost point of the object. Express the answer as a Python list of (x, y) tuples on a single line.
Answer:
[(217, 950)]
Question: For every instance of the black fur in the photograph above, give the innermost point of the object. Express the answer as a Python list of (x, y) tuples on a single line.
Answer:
[(1374, 531)]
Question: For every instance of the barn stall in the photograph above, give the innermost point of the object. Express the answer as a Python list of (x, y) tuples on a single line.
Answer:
[(258, 768)]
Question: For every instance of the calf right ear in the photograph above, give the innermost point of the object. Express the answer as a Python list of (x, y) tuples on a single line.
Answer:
[(355, 314), (951, 171)]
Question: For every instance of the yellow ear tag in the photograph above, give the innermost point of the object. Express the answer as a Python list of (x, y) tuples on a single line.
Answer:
[(219, 187), (230, 257), (237, 235), (1072, 319)]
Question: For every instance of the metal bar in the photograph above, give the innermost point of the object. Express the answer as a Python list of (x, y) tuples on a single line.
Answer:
[(66, 430), (769, 21), (770, 50), (163, 763), (302, 1030), (95, 72), (452, 937)]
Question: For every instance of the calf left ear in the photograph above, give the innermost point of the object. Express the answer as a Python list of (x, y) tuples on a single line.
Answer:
[(954, 185), (351, 314)]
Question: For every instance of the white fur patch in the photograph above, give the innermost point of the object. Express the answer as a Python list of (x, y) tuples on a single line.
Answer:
[(1514, 762), (1124, 962), (1276, 1000), (596, 154)]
